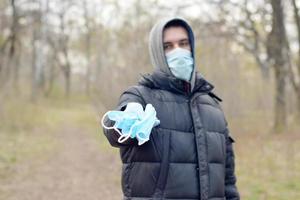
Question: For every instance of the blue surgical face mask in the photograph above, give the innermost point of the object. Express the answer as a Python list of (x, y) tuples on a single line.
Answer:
[(134, 122), (142, 128), (124, 119), (181, 63)]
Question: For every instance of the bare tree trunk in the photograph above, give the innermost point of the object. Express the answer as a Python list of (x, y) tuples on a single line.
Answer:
[(67, 70), (33, 69), (298, 105), (9, 45), (17, 70), (88, 69), (295, 74), (68, 81), (64, 47), (277, 52), (39, 42), (280, 99), (88, 48), (52, 73), (14, 32)]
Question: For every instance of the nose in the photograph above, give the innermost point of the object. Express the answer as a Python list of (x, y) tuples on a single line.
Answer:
[(176, 45)]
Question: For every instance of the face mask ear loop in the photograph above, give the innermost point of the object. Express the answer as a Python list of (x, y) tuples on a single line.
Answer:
[(122, 138), (141, 140)]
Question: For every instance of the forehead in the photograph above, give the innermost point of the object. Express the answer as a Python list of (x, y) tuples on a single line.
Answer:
[(174, 33)]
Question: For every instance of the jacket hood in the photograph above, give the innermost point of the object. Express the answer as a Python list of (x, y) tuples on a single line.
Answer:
[(161, 80), (156, 48)]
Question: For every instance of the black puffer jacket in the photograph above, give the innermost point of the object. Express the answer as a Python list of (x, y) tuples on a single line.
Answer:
[(189, 155)]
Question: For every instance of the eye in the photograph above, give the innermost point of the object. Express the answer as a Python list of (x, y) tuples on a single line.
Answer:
[(184, 43), (167, 46)]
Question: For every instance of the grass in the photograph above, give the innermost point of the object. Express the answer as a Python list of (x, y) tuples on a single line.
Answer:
[(23, 132), (268, 169), (27, 130), (267, 164)]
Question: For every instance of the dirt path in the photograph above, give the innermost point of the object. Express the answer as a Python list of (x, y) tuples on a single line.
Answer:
[(78, 170)]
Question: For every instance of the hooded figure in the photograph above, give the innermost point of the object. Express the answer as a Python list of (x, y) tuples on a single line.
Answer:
[(190, 153)]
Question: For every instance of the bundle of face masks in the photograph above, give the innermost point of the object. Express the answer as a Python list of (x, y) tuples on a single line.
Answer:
[(134, 122)]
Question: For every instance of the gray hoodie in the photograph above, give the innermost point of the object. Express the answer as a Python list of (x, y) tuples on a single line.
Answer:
[(156, 48)]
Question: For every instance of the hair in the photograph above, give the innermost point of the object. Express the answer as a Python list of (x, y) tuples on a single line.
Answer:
[(175, 23)]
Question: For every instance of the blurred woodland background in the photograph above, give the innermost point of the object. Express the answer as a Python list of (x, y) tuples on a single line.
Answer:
[(63, 63)]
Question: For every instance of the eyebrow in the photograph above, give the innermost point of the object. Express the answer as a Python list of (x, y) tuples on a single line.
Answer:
[(165, 43), (183, 40)]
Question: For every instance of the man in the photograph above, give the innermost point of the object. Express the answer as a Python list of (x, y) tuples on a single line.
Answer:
[(189, 154)]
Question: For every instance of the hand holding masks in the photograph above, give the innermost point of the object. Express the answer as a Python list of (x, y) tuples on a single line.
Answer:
[(134, 122)]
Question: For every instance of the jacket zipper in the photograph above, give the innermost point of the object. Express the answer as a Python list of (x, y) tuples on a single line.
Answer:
[(190, 97)]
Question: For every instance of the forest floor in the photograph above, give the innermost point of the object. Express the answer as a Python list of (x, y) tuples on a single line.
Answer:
[(78, 169), (56, 152)]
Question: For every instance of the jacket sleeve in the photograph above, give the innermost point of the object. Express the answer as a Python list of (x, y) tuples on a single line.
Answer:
[(130, 95), (231, 191)]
